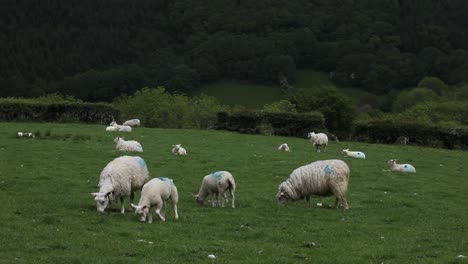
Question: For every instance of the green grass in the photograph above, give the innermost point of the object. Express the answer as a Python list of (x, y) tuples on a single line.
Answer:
[(48, 216)]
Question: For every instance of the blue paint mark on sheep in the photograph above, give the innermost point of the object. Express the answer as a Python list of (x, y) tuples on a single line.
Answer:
[(218, 175), (141, 162), (166, 180), (328, 170)]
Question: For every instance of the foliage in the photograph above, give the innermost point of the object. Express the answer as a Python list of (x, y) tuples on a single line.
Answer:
[(280, 106), (407, 99), (434, 84)]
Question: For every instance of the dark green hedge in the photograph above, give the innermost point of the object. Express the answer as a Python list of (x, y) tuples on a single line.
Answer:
[(11, 110), (280, 124), (387, 132)]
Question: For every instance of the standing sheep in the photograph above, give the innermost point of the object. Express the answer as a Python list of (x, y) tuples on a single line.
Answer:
[(155, 193), (353, 154), (323, 178), (320, 140), (119, 179), (217, 184), (130, 145), (283, 147), (400, 167), (178, 150), (132, 122)]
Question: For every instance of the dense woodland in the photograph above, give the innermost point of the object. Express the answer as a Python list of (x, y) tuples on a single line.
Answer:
[(98, 50)]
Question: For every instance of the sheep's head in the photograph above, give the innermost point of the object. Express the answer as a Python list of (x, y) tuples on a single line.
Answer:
[(102, 200), (344, 151), (118, 139), (142, 211), (391, 162), (282, 196), (311, 135), (199, 199)]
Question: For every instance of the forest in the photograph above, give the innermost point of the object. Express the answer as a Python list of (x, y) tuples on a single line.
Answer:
[(99, 50)]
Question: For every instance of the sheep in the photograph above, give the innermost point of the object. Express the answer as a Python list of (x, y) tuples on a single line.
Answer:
[(217, 184), (400, 167), (130, 145), (124, 128), (323, 178), (132, 122), (155, 193), (284, 147), (353, 154), (178, 150), (402, 140), (25, 134), (120, 178), (112, 128), (113, 123), (320, 140)]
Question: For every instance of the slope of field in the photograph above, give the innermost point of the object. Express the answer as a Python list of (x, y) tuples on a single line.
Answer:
[(48, 215)]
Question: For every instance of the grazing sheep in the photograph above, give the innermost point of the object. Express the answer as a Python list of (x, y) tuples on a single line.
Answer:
[(130, 145), (353, 154), (124, 128), (132, 122), (400, 167), (155, 193), (120, 178), (323, 178), (178, 150), (283, 147), (320, 140), (217, 184)]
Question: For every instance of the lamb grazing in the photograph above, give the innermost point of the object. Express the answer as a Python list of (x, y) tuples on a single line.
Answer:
[(130, 145), (155, 193), (323, 178), (400, 167), (178, 150), (217, 184), (283, 147), (124, 128), (132, 122), (353, 154), (320, 140), (119, 179)]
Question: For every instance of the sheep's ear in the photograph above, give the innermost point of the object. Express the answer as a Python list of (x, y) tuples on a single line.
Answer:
[(109, 193), (94, 194), (144, 207), (134, 206), (195, 195)]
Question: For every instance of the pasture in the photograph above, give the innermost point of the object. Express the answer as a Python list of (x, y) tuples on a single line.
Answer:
[(48, 216)]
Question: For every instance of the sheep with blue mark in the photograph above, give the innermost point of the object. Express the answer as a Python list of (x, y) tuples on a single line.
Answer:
[(155, 193), (323, 178), (319, 140), (353, 154), (121, 177), (392, 164), (217, 184), (127, 145)]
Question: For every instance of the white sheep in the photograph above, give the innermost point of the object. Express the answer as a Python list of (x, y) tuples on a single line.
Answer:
[(119, 179), (400, 167), (217, 184), (353, 154), (132, 122), (25, 134), (155, 193), (112, 128), (320, 140), (323, 178), (284, 147), (113, 123), (124, 128), (178, 150), (130, 145)]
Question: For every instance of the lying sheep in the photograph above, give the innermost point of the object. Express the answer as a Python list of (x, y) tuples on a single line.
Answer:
[(320, 140), (113, 123), (323, 178), (119, 179), (132, 122), (178, 150), (217, 184), (25, 134), (283, 147), (124, 128), (155, 193), (112, 128), (130, 145), (400, 167), (353, 154)]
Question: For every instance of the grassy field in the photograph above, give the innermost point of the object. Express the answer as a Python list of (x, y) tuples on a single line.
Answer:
[(48, 216)]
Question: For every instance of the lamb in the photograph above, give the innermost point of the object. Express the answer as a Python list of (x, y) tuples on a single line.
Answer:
[(283, 147), (130, 145), (113, 123), (217, 184), (353, 154), (178, 150), (112, 128), (323, 178), (320, 140), (25, 134), (119, 179), (400, 167), (155, 193), (124, 128), (132, 122)]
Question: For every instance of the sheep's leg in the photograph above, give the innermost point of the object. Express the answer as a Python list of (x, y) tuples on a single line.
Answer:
[(324, 148), (122, 206), (232, 198), (217, 199), (132, 197), (163, 209), (308, 200), (158, 211), (176, 215), (317, 148), (223, 195), (213, 200), (150, 216)]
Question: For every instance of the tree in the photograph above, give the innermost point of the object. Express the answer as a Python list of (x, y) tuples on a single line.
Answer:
[(407, 99)]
